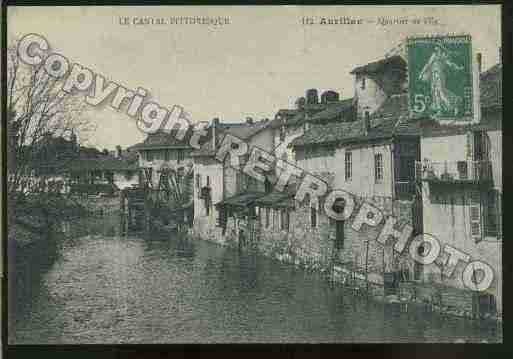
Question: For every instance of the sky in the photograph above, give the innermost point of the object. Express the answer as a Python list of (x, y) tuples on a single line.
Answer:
[(263, 60)]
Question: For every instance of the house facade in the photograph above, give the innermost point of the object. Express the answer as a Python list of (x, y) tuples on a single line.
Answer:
[(461, 177), (162, 151), (442, 179), (217, 184)]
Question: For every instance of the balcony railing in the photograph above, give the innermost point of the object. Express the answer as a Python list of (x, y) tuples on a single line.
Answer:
[(454, 171)]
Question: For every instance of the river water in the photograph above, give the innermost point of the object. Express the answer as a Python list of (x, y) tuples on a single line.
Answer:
[(96, 286)]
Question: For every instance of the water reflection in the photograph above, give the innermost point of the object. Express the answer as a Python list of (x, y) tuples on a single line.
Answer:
[(104, 287)]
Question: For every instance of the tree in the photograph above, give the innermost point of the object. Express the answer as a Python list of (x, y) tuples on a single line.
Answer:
[(36, 107)]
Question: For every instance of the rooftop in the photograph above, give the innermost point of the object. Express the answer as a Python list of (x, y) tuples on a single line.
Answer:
[(344, 108), (378, 65), (243, 131), (389, 121), (161, 139), (242, 200)]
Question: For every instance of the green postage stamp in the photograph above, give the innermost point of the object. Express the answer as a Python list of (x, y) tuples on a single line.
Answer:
[(440, 77)]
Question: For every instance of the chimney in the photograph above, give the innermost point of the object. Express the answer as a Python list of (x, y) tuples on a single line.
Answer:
[(329, 96), (312, 97), (366, 123), (479, 62), (215, 122)]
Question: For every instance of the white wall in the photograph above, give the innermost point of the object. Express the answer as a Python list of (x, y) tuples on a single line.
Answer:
[(122, 182), (158, 162), (362, 181), (281, 147), (369, 99), (213, 169), (446, 208)]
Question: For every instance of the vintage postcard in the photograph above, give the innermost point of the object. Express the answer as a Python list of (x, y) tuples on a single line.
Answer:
[(254, 174)]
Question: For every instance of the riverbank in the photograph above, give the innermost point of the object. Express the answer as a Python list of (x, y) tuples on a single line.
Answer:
[(410, 295), (33, 218), (103, 286)]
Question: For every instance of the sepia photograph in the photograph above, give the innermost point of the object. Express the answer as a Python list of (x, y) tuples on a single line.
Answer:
[(253, 174)]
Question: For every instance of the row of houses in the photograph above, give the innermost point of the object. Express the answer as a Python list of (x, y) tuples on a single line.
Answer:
[(441, 178), (62, 165)]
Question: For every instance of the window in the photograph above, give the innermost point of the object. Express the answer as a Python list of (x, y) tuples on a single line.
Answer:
[(252, 184), (267, 215), (313, 217), (268, 187), (378, 167), (475, 215), (180, 155), (349, 165), (198, 180), (363, 82), (282, 133), (149, 156), (208, 181), (492, 209), (148, 172), (166, 155), (285, 219)]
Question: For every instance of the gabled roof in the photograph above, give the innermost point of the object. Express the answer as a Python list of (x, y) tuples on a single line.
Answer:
[(345, 108), (377, 66), (244, 131), (163, 140)]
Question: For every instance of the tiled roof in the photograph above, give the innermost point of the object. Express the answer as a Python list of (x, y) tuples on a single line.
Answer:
[(286, 112), (378, 65), (298, 119), (206, 148), (241, 199), (490, 87), (243, 131), (162, 139), (388, 122), (344, 108)]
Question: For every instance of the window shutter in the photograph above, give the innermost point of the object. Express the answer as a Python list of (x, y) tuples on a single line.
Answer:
[(475, 216), (499, 215), (470, 140)]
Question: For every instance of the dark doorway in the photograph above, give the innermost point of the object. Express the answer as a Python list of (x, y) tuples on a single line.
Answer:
[(339, 238)]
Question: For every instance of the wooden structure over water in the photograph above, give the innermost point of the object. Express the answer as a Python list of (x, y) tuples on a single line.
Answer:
[(134, 209)]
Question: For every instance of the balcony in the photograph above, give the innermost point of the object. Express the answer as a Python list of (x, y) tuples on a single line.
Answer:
[(457, 172)]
